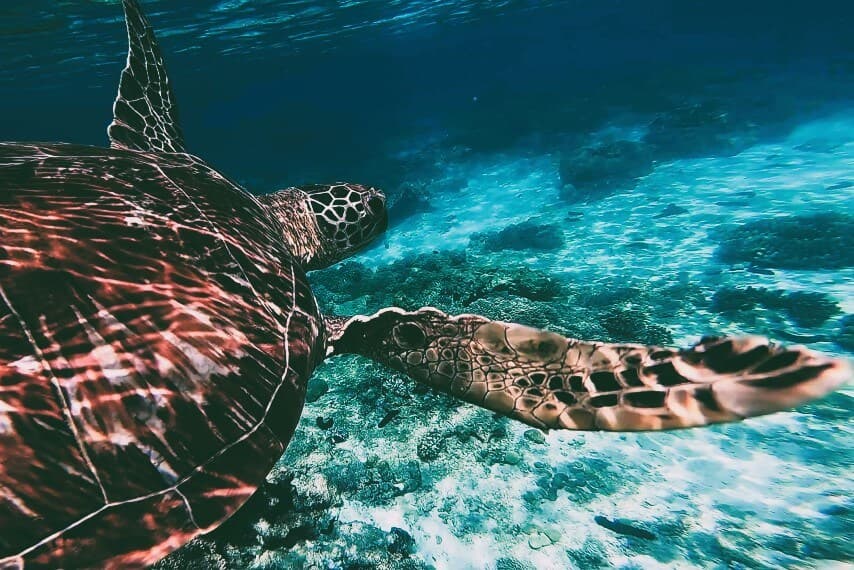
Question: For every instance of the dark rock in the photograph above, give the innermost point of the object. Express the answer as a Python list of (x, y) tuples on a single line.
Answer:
[(836, 510), (805, 309), (535, 436), (593, 172), (411, 201), (731, 300), (498, 432), (810, 309), (294, 537), (845, 337), (521, 236), (388, 417), (338, 437), (400, 542), (317, 387), (819, 241), (622, 527), (324, 423), (510, 457), (698, 129), (759, 270)]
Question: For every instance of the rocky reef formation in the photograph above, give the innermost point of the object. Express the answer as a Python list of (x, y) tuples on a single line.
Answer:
[(592, 172), (815, 241)]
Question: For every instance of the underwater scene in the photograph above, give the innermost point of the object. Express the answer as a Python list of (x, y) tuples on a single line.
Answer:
[(625, 172)]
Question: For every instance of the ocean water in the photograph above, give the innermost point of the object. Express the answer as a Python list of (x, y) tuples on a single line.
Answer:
[(623, 171)]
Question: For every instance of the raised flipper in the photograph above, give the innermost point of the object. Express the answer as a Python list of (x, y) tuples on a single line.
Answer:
[(144, 114), (549, 381)]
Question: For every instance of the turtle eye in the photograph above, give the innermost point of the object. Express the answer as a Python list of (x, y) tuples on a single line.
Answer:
[(409, 335)]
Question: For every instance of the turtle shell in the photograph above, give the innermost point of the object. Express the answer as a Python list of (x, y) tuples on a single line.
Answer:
[(156, 340)]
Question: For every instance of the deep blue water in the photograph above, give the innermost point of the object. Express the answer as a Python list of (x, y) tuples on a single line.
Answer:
[(291, 92), (626, 171)]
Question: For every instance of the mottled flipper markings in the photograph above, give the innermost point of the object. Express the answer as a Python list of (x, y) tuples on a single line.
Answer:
[(549, 381), (144, 114)]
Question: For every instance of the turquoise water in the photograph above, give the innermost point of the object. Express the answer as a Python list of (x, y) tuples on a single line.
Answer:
[(631, 172)]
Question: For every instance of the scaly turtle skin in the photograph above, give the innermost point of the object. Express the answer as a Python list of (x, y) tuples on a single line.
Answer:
[(157, 332)]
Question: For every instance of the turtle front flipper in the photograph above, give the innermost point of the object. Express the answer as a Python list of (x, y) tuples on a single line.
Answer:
[(144, 114), (549, 381)]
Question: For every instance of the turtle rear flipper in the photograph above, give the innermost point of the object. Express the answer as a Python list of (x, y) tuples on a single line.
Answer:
[(549, 381)]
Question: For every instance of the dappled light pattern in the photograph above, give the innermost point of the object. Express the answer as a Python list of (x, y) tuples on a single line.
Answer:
[(156, 350)]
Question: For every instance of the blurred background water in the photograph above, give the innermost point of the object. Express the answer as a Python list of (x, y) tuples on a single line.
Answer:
[(644, 171)]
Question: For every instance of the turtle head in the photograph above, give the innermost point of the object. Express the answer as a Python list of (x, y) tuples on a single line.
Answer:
[(325, 223)]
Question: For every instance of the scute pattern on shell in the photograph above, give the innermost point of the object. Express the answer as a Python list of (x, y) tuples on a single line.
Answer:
[(157, 337)]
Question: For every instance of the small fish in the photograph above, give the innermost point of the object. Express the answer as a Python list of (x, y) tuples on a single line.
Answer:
[(623, 528), (733, 203), (388, 417)]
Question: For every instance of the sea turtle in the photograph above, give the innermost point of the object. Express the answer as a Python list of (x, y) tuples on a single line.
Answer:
[(157, 331)]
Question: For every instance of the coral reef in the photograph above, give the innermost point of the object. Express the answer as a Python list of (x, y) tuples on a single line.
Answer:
[(524, 235), (592, 172), (697, 129), (803, 308), (291, 508), (586, 479), (410, 200), (500, 287), (629, 324), (430, 445), (816, 241), (845, 336), (506, 563)]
